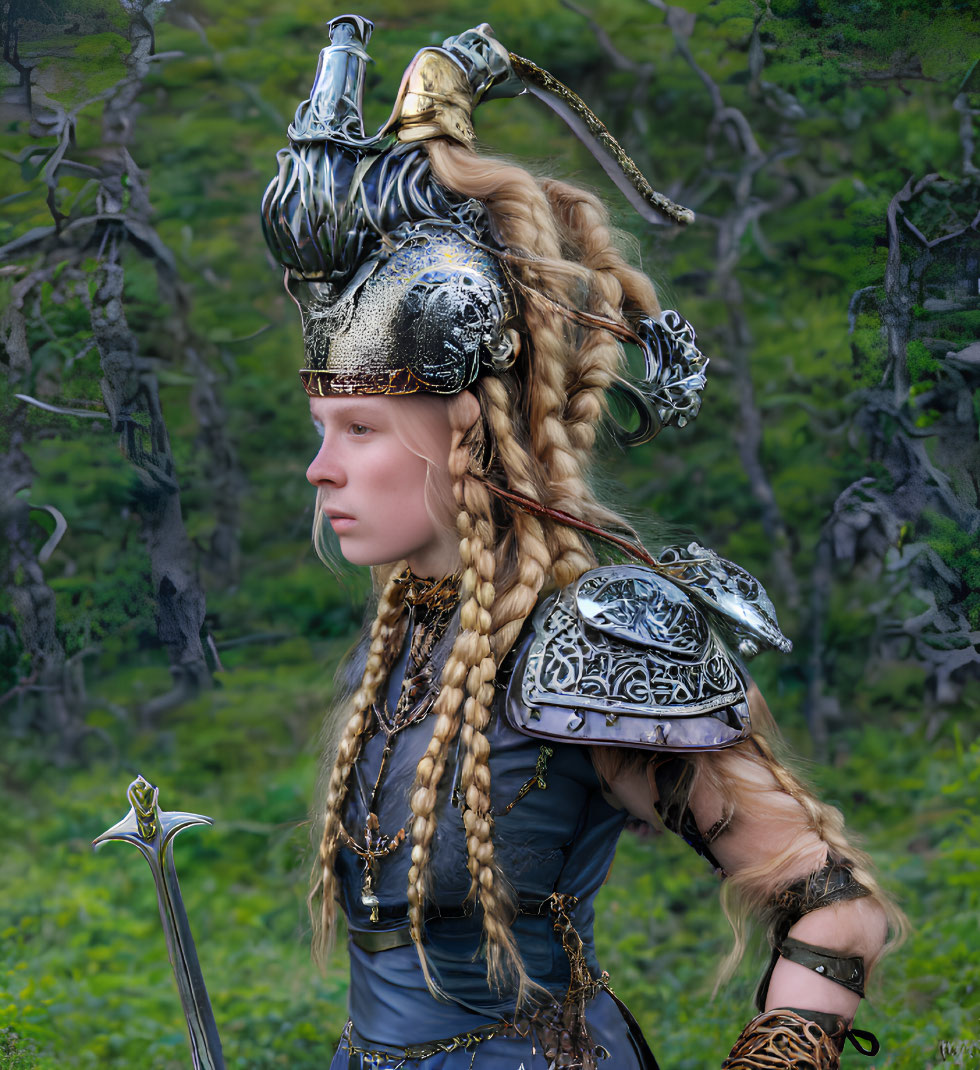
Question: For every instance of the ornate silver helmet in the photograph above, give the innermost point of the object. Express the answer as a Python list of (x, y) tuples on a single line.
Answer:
[(401, 283)]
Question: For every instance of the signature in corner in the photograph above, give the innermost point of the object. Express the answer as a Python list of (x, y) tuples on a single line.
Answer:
[(958, 1049)]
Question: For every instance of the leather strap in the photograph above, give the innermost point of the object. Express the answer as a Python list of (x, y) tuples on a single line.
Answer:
[(833, 1026), (375, 940), (673, 779), (834, 883), (846, 971), (864, 1034)]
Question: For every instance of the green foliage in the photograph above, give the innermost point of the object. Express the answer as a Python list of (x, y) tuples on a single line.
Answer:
[(922, 365), (960, 550), (87, 980), (86, 976), (15, 1052)]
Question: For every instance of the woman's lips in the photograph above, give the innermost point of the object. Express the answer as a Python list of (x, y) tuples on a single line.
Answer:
[(340, 523)]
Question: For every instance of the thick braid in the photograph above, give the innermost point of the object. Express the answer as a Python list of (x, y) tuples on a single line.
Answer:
[(428, 774), (476, 528), (585, 222), (525, 222), (749, 892), (471, 662), (383, 630), (585, 225), (516, 595), (561, 429)]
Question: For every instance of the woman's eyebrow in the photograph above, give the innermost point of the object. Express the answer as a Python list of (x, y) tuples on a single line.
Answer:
[(355, 407)]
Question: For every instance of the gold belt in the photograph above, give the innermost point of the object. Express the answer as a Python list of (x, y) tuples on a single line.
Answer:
[(355, 1043)]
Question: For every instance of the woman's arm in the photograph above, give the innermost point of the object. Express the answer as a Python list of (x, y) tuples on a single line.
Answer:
[(767, 843)]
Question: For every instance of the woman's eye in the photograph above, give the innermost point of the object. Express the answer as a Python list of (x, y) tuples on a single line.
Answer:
[(359, 429)]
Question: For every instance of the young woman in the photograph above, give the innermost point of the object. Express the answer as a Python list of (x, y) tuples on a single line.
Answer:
[(515, 699)]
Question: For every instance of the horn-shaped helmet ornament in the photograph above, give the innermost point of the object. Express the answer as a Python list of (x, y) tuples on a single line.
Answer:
[(399, 281)]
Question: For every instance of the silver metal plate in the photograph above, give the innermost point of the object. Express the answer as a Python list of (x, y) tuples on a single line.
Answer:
[(624, 656), (744, 612)]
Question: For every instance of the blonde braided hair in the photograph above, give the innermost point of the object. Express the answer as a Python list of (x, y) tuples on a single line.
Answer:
[(523, 555), (562, 254), (384, 638), (748, 893), (476, 551), (560, 395)]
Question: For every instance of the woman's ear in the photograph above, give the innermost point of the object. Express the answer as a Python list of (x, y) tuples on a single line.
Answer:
[(468, 409)]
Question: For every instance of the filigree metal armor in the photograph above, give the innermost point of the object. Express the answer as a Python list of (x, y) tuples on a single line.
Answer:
[(394, 275), (744, 611), (424, 321), (401, 283), (783, 1038), (674, 377), (627, 656), (624, 656)]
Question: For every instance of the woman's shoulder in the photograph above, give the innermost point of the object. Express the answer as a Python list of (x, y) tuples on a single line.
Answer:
[(637, 656)]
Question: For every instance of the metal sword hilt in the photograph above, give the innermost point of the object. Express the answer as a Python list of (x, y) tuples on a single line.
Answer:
[(153, 832)]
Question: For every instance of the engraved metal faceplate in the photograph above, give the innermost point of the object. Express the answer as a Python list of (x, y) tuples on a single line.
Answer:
[(624, 656)]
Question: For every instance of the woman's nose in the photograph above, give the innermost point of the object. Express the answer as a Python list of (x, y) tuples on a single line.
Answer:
[(325, 468)]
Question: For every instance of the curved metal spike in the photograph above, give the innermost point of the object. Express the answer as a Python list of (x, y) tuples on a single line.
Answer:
[(153, 832), (655, 207), (674, 377)]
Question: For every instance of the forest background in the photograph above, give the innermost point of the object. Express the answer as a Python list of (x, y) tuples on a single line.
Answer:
[(163, 612)]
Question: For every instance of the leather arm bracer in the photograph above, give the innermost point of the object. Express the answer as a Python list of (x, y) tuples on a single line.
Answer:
[(834, 883), (805, 1034), (784, 1038)]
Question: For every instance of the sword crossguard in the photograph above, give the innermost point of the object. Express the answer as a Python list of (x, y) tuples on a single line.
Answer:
[(146, 826), (153, 831)]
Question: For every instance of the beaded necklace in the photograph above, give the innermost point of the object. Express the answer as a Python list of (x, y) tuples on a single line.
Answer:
[(432, 604)]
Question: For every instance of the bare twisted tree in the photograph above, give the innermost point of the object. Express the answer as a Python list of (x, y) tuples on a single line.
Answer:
[(81, 256)]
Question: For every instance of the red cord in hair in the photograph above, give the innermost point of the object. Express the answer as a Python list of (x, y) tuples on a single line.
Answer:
[(535, 508)]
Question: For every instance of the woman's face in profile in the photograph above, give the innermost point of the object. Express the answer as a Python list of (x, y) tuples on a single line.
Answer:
[(373, 486)]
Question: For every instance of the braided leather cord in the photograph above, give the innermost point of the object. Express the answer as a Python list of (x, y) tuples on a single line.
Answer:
[(783, 1040)]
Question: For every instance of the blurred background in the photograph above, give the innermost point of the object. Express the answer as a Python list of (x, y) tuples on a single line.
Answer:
[(162, 611)]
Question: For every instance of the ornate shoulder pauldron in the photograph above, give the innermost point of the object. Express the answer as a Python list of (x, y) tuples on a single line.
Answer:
[(631, 656)]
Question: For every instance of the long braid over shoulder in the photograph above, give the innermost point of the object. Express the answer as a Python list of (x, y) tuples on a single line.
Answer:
[(388, 622), (469, 665), (759, 779)]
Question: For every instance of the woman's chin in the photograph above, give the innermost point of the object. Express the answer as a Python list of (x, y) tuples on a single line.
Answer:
[(355, 555)]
